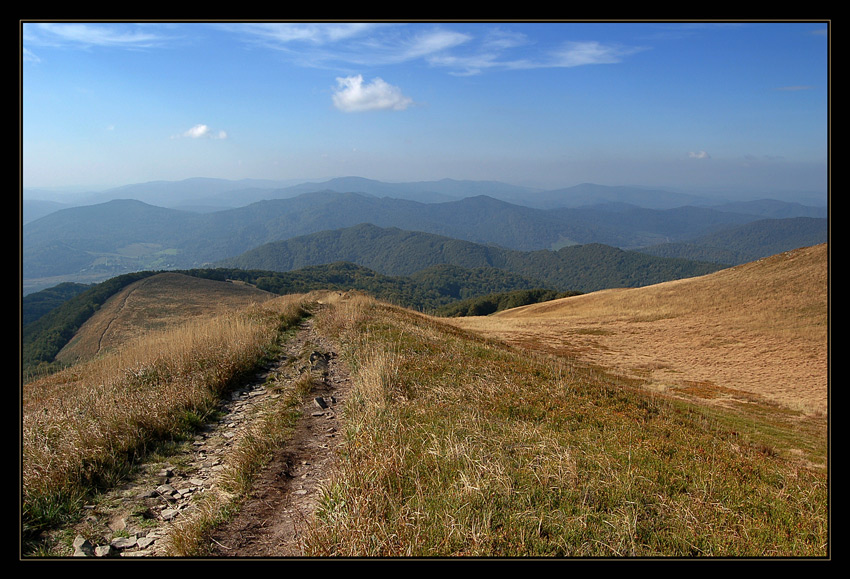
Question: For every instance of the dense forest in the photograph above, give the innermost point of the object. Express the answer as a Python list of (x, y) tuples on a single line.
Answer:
[(493, 303), (38, 304), (396, 252), (426, 290)]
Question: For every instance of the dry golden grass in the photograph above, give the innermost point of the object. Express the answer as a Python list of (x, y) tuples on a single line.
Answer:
[(455, 445), (758, 330), (158, 302), (81, 425)]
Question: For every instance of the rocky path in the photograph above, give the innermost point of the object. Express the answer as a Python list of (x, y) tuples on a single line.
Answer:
[(271, 522), (136, 519)]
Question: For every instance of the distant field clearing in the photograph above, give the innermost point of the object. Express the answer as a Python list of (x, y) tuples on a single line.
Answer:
[(759, 329)]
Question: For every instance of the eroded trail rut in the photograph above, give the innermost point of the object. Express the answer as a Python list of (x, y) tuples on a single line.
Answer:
[(271, 522), (142, 516)]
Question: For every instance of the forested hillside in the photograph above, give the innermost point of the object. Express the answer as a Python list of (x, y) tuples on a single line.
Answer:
[(42, 338), (493, 303), (748, 242), (40, 303), (392, 251), (93, 243)]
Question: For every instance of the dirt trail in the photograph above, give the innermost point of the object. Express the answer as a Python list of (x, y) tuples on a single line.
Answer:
[(137, 518), (114, 317), (272, 520)]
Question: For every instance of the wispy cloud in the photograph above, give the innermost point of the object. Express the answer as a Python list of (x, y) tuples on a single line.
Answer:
[(466, 50), (499, 56), (29, 56), (352, 95), (499, 52), (90, 34), (282, 34), (699, 155), (201, 131), (431, 42), (343, 45), (586, 53), (460, 50)]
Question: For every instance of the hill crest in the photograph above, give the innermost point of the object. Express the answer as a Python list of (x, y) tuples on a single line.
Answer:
[(399, 252), (755, 330), (156, 302)]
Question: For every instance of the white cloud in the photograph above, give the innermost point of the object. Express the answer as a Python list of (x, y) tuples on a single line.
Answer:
[(201, 131), (88, 34), (699, 155), (465, 51), (432, 42), (585, 53), (354, 96), (278, 34)]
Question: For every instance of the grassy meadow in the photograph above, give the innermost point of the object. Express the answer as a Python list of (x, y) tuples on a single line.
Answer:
[(456, 441), (461, 446)]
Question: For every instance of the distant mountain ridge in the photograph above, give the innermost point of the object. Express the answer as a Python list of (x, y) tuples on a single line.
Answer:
[(396, 252), (207, 194), (748, 242), (586, 194), (90, 243)]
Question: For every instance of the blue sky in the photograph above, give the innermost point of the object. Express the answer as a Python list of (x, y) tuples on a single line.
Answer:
[(731, 106)]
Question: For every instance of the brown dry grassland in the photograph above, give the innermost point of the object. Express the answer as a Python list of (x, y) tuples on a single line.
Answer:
[(458, 445), (572, 440), (159, 302), (81, 426), (756, 332)]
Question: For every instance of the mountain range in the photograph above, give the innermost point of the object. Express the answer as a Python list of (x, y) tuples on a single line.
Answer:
[(90, 243), (396, 252), (206, 194)]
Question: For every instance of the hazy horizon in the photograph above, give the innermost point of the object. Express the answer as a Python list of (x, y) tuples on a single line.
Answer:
[(80, 194), (733, 107)]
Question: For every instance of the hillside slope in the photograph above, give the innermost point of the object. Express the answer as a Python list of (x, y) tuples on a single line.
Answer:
[(739, 244), (156, 302), (758, 329), (205, 291), (393, 251), (91, 243), (448, 444)]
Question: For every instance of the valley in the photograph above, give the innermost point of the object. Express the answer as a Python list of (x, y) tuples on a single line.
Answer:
[(686, 418), (403, 291), (108, 237), (381, 390)]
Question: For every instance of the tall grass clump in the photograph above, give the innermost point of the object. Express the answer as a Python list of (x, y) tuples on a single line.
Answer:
[(457, 446), (82, 427)]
